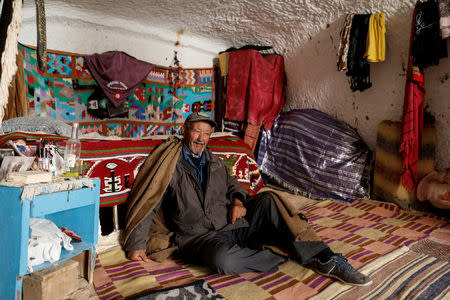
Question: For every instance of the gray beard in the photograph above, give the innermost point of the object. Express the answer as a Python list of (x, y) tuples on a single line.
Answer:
[(196, 155), (192, 153)]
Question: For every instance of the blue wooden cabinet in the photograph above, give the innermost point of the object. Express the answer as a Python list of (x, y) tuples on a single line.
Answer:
[(76, 210)]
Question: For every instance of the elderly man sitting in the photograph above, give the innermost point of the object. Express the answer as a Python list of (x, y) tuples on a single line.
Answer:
[(214, 221)]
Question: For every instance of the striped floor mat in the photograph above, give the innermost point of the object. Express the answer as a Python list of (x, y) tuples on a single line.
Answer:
[(402, 274), (363, 231)]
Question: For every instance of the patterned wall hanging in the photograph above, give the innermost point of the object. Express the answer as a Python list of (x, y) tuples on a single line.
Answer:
[(66, 90)]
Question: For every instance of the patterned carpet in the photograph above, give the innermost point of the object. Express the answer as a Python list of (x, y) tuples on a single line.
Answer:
[(363, 231), (199, 290), (402, 274)]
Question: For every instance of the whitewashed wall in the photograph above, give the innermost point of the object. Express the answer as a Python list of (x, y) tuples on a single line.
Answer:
[(75, 29), (310, 55), (314, 82)]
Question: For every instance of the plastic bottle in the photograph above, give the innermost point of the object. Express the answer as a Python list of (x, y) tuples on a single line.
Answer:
[(72, 162), (43, 161)]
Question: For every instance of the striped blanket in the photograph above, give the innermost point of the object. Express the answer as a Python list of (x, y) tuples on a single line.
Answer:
[(117, 162), (364, 231), (310, 153), (403, 274)]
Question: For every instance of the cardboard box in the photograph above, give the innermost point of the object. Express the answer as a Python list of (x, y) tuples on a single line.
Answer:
[(84, 263), (52, 283)]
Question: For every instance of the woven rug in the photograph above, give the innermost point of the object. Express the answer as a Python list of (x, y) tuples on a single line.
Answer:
[(363, 231), (199, 290), (402, 274), (432, 248), (437, 245)]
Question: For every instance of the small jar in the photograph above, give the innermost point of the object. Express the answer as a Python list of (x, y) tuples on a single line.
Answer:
[(44, 162)]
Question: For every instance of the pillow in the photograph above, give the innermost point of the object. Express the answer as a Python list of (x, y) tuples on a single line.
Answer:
[(36, 124)]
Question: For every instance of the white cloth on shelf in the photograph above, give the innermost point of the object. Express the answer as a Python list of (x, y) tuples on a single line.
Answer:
[(45, 242)]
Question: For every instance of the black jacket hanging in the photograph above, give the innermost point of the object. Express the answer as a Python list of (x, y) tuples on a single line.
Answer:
[(358, 67), (427, 46)]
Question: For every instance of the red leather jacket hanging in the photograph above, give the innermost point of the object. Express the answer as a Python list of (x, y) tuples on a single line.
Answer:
[(255, 91)]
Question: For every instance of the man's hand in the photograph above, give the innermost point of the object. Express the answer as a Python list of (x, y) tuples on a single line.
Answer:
[(138, 255), (236, 210)]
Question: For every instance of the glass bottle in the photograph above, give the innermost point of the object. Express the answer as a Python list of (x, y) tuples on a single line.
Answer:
[(72, 162)]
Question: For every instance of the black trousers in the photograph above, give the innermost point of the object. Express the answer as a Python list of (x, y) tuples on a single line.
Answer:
[(238, 251)]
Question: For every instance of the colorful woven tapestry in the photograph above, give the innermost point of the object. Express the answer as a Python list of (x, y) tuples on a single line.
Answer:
[(117, 162), (67, 92), (363, 231)]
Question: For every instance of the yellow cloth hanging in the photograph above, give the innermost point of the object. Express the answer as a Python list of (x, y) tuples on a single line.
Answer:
[(223, 61), (375, 43)]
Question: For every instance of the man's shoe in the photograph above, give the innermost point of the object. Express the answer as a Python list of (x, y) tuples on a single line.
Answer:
[(339, 268)]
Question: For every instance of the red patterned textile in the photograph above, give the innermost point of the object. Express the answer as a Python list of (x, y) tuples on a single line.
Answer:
[(117, 162), (251, 135), (255, 91), (412, 123)]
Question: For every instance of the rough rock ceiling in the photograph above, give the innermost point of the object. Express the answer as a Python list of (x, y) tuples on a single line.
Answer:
[(284, 24)]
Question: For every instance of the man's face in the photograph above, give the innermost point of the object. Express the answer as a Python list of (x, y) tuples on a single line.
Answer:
[(197, 136)]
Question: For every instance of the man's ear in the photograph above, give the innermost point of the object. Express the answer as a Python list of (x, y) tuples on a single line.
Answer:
[(183, 129)]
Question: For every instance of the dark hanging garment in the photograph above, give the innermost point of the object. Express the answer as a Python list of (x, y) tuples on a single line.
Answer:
[(427, 46), (358, 67), (117, 73), (97, 104)]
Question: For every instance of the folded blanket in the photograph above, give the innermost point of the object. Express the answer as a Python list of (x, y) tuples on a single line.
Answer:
[(312, 154)]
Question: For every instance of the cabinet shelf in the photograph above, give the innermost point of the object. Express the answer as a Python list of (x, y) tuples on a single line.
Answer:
[(65, 255), (77, 210)]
